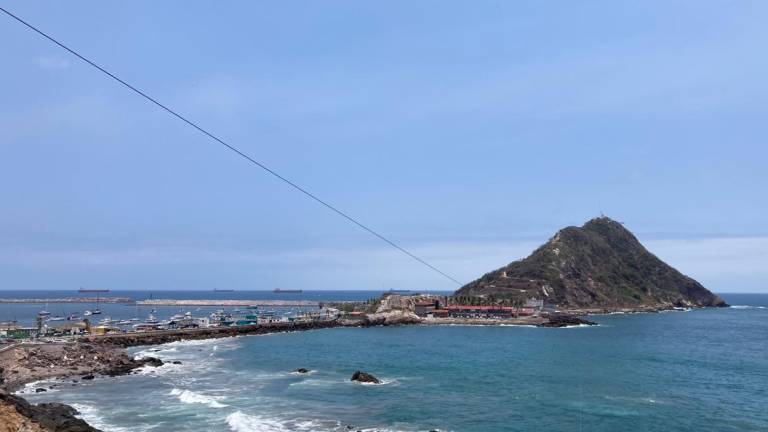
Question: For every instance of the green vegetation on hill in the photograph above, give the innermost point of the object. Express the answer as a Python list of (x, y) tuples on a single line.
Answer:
[(600, 264)]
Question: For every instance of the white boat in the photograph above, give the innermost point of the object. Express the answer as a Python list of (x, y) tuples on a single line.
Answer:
[(151, 320), (106, 321), (44, 312), (87, 313), (56, 318)]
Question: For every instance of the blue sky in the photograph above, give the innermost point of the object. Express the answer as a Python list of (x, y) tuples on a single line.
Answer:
[(469, 132)]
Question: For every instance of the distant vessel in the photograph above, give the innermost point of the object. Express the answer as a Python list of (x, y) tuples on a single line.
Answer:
[(222, 290), (289, 291), (394, 291)]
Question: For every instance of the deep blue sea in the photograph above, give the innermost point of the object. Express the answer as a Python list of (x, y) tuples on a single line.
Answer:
[(702, 370)]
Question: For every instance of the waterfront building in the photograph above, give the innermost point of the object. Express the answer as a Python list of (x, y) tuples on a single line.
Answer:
[(461, 311), (535, 304), (425, 308)]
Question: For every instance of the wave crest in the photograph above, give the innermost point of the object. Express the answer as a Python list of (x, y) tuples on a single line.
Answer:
[(190, 397)]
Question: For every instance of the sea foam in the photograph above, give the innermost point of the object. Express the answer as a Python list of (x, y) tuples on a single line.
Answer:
[(92, 416), (190, 397)]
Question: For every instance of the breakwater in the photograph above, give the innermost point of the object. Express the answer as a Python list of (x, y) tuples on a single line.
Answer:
[(166, 336), (66, 300), (228, 303)]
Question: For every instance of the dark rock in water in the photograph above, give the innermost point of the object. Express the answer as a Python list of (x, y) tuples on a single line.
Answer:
[(88, 377), (364, 377), (598, 265), (127, 366), (40, 390), (565, 321), (176, 362), (302, 370), (151, 361), (50, 416)]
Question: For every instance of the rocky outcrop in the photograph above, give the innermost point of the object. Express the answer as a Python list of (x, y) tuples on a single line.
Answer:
[(392, 317), (598, 265), (364, 377), (565, 321), (27, 363), (18, 415), (302, 371)]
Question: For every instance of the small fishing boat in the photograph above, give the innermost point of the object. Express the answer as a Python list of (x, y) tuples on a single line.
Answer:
[(44, 312), (87, 313)]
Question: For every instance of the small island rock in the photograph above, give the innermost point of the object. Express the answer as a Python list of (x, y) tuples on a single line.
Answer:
[(365, 378)]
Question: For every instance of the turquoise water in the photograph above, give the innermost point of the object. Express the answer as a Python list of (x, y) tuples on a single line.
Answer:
[(675, 371)]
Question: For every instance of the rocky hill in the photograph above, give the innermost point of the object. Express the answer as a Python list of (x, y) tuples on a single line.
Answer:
[(598, 265)]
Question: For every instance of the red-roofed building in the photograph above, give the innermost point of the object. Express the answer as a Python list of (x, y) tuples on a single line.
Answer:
[(462, 311)]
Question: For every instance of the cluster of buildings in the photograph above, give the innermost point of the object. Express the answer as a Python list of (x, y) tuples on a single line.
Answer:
[(251, 316), (440, 308)]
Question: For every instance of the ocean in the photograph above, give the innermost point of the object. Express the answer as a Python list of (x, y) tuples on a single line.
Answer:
[(701, 370)]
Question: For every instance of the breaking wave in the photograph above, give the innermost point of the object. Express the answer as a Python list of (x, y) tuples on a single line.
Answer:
[(190, 397), (92, 416), (241, 422)]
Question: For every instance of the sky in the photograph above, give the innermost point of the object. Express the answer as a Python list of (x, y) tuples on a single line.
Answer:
[(468, 132)]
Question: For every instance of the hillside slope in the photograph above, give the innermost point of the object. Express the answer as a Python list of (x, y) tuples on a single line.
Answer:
[(600, 264)]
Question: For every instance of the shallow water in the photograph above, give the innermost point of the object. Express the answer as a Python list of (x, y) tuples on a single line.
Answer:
[(675, 371)]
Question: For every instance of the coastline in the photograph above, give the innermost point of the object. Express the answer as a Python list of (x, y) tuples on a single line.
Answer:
[(23, 363), (105, 355)]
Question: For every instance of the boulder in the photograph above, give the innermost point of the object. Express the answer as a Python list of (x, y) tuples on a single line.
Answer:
[(88, 377), (49, 416), (40, 390), (364, 377), (302, 370), (152, 361), (393, 317)]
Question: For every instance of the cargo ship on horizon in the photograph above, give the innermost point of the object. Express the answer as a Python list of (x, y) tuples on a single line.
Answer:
[(287, 291)]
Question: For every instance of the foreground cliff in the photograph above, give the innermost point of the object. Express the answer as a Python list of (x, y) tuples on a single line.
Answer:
[(598, 265), (17, 415)]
